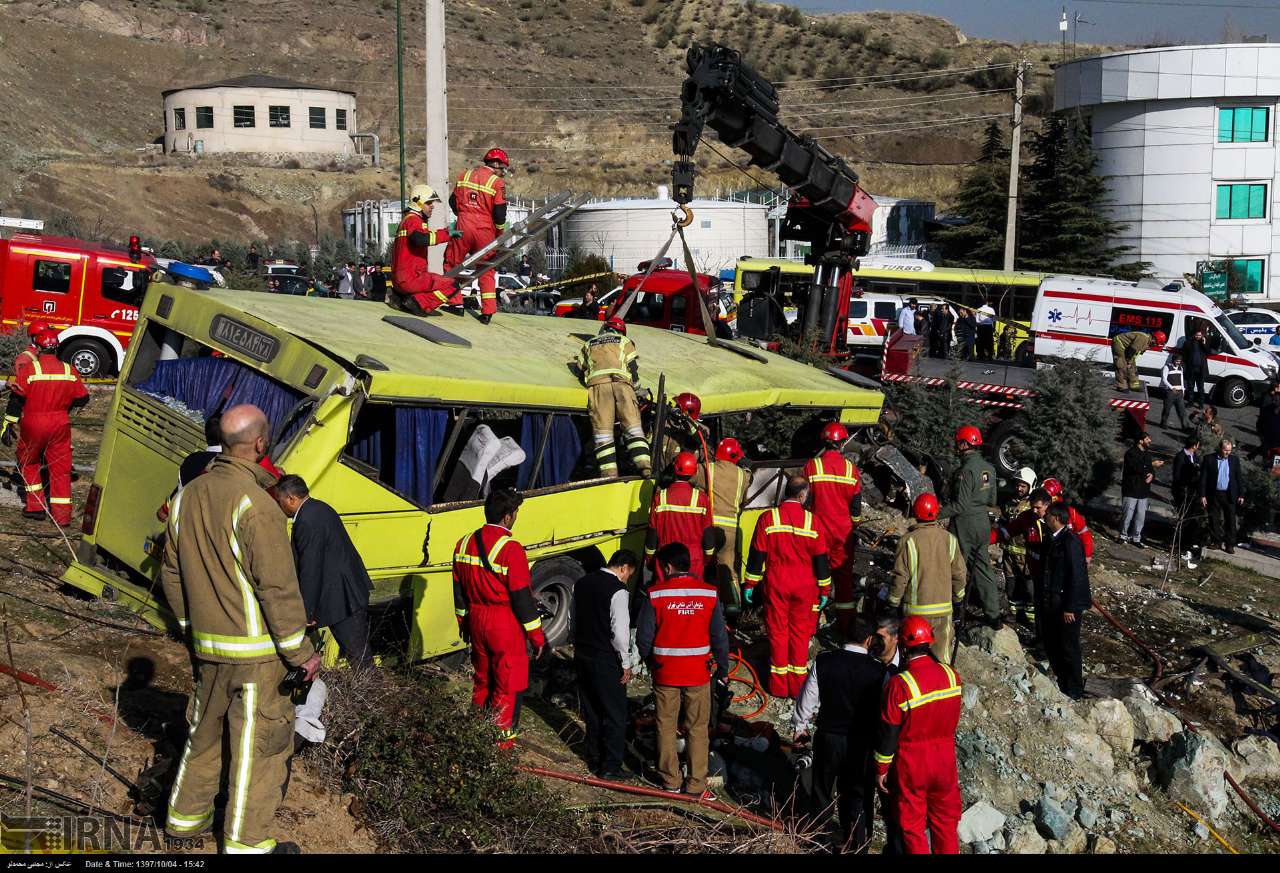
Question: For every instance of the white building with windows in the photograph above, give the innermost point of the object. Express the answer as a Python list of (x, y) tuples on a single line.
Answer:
[(1186, 136), (259, 114)]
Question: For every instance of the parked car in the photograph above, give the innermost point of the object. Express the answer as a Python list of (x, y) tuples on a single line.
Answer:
[(1254, 323)]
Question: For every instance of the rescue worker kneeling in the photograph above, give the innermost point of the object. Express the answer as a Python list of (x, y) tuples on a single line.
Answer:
[(1126, 348), (44, 392), (610, 368), (681, 633), (929, 574), (916, 748), (417, 289), (496, 611)]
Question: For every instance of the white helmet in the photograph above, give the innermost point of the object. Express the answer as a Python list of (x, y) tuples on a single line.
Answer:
[(420, 196), (1028, 475)]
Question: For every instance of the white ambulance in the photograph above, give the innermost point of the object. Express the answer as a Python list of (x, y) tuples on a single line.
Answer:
[(1076, 317)]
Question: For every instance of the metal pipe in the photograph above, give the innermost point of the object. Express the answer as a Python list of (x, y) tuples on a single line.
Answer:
[(377, 147)]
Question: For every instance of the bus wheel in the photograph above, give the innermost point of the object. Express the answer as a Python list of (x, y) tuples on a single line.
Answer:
[(552, 583), (1001, 448), (1235, 393), (91, 359), (1025, 356)]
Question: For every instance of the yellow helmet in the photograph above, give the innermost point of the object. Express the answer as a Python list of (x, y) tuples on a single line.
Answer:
[(421, 195)]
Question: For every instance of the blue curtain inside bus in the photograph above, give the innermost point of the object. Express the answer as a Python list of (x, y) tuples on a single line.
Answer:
[(564, 448), (210, 386), (403, 444)]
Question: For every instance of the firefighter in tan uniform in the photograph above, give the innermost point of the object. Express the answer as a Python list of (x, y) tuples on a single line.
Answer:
[(727, 483), (1126, 348), (929, 574), (610, 368), (1013, 560), (229, 579)]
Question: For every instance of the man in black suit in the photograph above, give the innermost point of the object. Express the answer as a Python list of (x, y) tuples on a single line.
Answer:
[(1221, 493), (335, 585), (1185, 486), (1065, 589), (602, 657), (1195, 361), (845, 687)]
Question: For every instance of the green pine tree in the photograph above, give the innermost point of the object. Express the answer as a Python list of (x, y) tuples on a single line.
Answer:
[(983, 201), (1064, 225)]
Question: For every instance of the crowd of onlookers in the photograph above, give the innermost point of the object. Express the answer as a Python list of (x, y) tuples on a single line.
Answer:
[(965, 334)]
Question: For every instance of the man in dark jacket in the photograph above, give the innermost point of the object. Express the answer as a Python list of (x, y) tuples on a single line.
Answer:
[(940, 331), (966, 334), (1065, 584), (1185, 486), (1221, 493), (844, 689), (1195, 361), (602, 656), (1135, 489), (335, 585)]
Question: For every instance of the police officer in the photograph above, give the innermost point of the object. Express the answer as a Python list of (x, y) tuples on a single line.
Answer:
[(1014, 558), (973, 493), (610, 368), (929, 574)]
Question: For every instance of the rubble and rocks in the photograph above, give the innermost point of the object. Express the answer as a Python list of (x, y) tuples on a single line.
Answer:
[(1003, 642), (1100, 845), (1023, 839), (1152, 723), (980, 823), (1073, 842), (1190, 768), (1114, 724), (1051, 819), (1261, 757)]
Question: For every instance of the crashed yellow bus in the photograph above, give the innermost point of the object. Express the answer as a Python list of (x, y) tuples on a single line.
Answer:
[(401, 424)]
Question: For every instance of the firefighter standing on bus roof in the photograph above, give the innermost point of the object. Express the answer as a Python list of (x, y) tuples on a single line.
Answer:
[(726, 482), (496, 611), (479, 200), (917, 740), (1013, 561), (1126, 348), (973, 499), (789, 553), (929, 574), (610, 368), (835, 497), (681, 513), (415, 287), (44, 392)]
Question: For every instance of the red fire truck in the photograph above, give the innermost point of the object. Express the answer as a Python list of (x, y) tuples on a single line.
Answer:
[(88, 293)]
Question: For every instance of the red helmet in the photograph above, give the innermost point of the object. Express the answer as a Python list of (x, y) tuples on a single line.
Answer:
[(497, 155), (969, 434), (34, 330), (925, 508), (617, 325), (46, 339), (690, 404), (834, 432), (916, 631), (729, 450), (1160, 337), (1053, 487), (686, 464)]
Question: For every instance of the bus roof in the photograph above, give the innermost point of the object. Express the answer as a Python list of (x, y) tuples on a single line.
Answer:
[(910, 270), (522, 360)]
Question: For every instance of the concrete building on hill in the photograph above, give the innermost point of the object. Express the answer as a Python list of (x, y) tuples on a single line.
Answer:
[(260, 114)]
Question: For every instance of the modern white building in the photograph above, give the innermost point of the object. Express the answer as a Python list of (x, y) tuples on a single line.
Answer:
[(263, 114), (1186, 136)]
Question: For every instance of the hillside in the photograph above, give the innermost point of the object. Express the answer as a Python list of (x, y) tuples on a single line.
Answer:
[(581, 92)]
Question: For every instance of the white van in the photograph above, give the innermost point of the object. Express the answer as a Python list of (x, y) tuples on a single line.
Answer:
[(1076, 317), (872, 314)]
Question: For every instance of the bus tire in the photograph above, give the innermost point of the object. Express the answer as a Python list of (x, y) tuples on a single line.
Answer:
[(552, 584), (1235, 393), (1025, 356), (90, 357), (1000, 448)]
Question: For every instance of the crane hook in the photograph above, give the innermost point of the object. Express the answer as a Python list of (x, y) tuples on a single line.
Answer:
[(687, 216)]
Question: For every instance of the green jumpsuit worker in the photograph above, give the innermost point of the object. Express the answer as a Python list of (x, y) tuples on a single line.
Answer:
[(973, 498)]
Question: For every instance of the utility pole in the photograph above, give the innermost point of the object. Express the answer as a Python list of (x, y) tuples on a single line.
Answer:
[(1015, 160), (437, 122), (400, 96), (1062, 28)]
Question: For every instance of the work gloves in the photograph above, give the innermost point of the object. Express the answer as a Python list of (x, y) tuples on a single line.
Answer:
[(749, 596), (454, 233), (822, 602), (8, 431)]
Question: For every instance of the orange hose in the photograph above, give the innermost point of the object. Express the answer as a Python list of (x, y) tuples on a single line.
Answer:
[(756, 687), (44, 685)]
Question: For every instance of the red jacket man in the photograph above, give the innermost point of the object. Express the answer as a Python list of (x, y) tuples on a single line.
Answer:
[(496, 608), (835, 497), (417, 288), (789, 552), (479, 200), (918, 720), (1078, 525), (44, 392), (681, 513)]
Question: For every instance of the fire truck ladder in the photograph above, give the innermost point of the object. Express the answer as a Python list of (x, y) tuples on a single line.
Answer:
[(516, 237)]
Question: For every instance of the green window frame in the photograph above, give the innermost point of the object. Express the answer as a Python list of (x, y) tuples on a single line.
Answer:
[(1247, 200), (1245, 275), (1244, 123)]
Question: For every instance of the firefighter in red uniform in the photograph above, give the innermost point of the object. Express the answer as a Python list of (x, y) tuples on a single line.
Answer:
[(44, 392), (1078, 525), (417, 289), (918, 719), (681, 513), (479, 200), (835, 498), (789, 552), (496, 611), (25, 357)]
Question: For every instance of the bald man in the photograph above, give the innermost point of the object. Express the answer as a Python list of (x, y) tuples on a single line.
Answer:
[(229, 578)]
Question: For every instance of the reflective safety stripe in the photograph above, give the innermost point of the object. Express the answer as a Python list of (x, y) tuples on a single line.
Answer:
[(884, 759), (66, 500), (692, 507), (459, 612), (778, 527), (240, 779), (913, 570), (784, 669), (228, 646), (800, 669), (680, 592), (917, 699), (184, 824), (753, 577), (931, 697), (35, 487), (41, 376), (823, 476), (725, 520), (292, 641), (823, 583), (679, 652), (467, 182), (231, 847), (930, 608), (841, 604), (533, 625), (1015, 549), (252, 612), (461, 556)]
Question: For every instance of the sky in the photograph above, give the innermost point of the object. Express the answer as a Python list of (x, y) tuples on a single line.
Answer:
[(1113, 21)]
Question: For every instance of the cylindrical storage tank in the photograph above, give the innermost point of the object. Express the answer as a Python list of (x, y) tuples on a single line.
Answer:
[(627, 232)]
